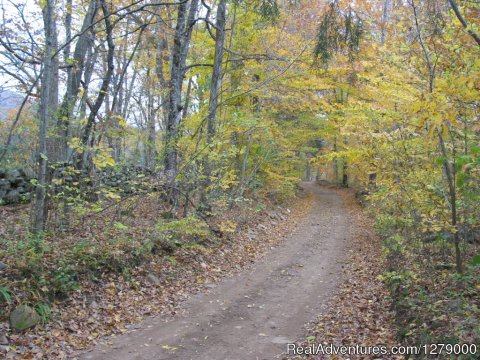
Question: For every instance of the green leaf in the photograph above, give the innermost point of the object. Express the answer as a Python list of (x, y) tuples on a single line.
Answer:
[(5, 295), (475, 261), (440, 160), (120, 226)]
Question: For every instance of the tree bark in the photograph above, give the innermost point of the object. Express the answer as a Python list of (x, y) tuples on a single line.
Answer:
[(183, 33), (243, 174), (217, 73), (54, 140), (473, 34), (215, 89), (150, 146), (74, 76), (450, 175), (40, 213), (161, 48), (385, 16)]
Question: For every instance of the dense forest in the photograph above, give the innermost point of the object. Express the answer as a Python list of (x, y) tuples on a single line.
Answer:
[(137, 136)]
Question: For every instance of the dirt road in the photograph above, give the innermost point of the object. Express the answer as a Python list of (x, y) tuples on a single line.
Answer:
[(255, 314)]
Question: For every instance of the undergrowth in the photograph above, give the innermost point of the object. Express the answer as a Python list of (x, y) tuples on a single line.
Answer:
[(433, 303), (46, 271)]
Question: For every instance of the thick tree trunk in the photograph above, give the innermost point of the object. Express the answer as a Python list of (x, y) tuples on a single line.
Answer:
[(217, 73), (150, 146), (161, 54), (40, 213), (385, 16), (54, 139), (215, 90), (183, 33)]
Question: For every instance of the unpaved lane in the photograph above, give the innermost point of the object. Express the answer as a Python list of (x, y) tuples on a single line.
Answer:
[(255, 314)]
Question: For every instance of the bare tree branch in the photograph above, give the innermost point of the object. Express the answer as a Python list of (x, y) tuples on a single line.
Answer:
[(473, 34)]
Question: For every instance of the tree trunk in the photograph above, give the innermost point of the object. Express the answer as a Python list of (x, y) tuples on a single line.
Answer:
[(150, 147), (54, 140), (40, 213), (308, 172), (385, 16), (335, 162), (74, 76), (215, 89), (162, 47), (217, 73), (345, 173), (183, 33), (473, 34), (87, 134), (450, 175), (243, 174)]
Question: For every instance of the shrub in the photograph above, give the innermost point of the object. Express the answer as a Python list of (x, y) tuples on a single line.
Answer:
[(181, 231)]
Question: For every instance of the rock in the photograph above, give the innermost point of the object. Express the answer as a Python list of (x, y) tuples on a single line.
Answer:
[(94, 304), (23, 317), (18, 181), (3, 340), (12, 197), (3, 349), (20, 189), (455, 305), (2, 265), (153, 279), (13, 174), (261, 226), (4, 184)]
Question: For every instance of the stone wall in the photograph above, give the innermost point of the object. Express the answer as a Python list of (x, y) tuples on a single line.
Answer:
[(15, 186)]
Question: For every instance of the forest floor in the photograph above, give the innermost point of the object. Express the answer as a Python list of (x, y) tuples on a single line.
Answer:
[(110, 302), (303, 272), (255, 313)]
